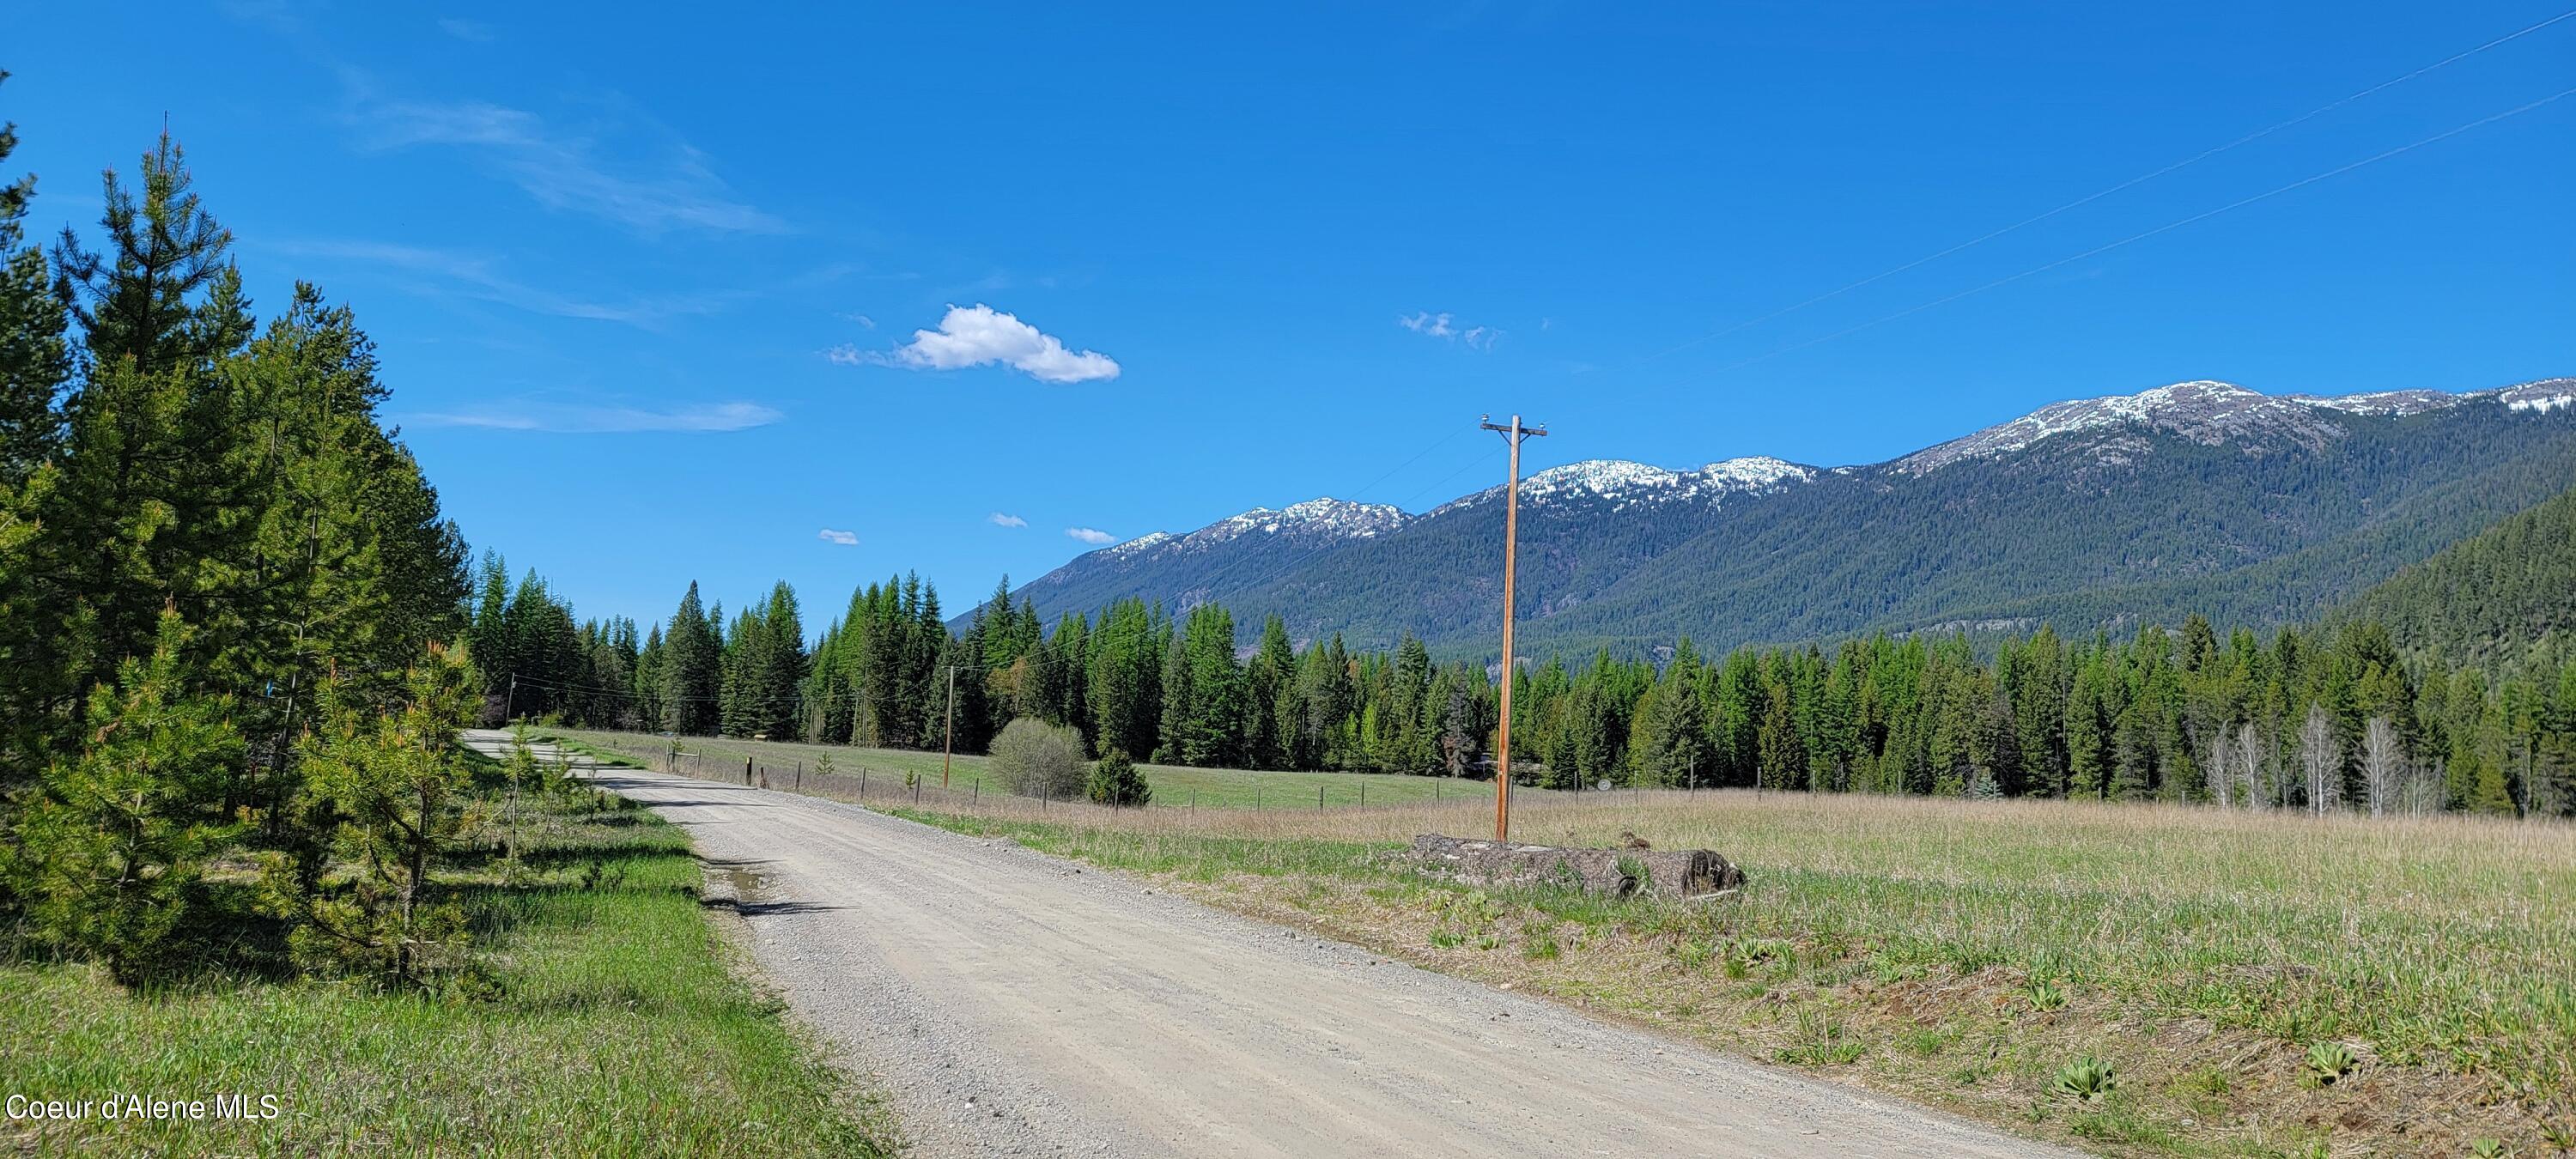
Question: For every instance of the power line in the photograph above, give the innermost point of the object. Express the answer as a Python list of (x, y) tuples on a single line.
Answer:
[(2141, 179), (2165, 228)]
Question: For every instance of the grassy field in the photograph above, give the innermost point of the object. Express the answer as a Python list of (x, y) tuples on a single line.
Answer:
[(1962, 954), (1175, 786), (619, 1028)]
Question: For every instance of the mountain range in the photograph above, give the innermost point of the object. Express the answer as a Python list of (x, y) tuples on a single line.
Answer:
[(2200, 497)]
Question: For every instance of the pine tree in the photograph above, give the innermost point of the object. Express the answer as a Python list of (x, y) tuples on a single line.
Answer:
[(1125, 689), (35, 360), (144, 511), (1116, 783), (692, 669), (1269, 709), (107, 858), (386, 780)]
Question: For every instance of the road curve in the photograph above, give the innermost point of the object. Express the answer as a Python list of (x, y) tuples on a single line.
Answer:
[(1012, 1002)]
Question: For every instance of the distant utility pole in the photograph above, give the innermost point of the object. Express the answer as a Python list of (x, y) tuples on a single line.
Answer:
[(510, 702), (1513, 435)]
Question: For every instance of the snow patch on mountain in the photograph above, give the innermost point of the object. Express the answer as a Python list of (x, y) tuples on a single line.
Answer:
[(1623, 483), (1326, 517), (2381, 402), (1312, 520), (2205, 412), (1143, 542), (2544, 396)]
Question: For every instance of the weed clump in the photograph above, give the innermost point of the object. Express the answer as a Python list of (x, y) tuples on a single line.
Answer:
[(2085, 1080)]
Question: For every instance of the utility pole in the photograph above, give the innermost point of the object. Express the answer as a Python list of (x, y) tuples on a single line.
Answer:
[(510, 702), (948, 737), (1513, 435)]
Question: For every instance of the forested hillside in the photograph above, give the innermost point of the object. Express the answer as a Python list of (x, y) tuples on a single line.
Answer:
[(2199, 498), (2500, 601)]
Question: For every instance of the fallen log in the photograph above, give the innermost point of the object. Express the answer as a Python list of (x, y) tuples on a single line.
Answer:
[(1617, 872)]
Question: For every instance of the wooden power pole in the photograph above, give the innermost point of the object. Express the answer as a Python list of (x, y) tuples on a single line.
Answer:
[(1513, 435)]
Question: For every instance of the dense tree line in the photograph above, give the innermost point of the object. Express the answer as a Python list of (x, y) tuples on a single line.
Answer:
[(224, 584), (2329, 718)]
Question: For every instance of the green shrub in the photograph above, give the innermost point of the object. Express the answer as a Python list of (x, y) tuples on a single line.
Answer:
[(2043, 995), (1116, 783), (1037, 759)]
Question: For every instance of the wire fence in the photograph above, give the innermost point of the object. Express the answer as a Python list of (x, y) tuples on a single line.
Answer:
[(859, 783)]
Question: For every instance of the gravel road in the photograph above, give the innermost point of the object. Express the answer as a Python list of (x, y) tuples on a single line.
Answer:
[(1016, 1003)]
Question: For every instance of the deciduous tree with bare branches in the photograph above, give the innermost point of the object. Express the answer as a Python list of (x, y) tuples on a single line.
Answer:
[(2321, 759)]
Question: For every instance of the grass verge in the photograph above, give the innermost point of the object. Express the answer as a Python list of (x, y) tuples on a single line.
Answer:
[(1967, 955), (620, 1027)]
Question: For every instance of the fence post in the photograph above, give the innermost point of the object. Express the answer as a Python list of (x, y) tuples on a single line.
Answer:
[(916, 791), (863, 782), (1194, 802), (746, 769), (1364, 794), (1319, 796), (977, 797), (800, 776)]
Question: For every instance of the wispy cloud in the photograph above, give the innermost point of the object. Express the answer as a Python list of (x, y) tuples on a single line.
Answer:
[(577, 418), (473, 30), (844, 538), (998, 519), (1091, 535), (980, 335), (666, 185), (1446, 327), (865, 322), (476, 276)]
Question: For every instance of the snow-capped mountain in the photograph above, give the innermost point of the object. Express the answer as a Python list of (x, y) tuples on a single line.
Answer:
[(1315, 520), (2198, 496), (1621, 483), (2203, 412)]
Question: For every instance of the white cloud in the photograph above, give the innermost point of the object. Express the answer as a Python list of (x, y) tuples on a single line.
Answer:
[(1445, 327), (1091, 535), (668, 184), (999, 519), (980, 335), (844, 538), (1435, 325), (865, 322), (848, 355), (564, 418)]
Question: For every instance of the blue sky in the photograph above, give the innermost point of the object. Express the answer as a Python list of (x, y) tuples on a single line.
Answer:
[(647, 282)]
